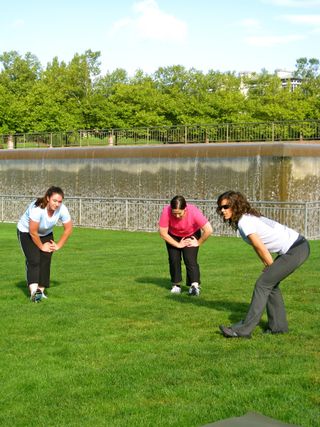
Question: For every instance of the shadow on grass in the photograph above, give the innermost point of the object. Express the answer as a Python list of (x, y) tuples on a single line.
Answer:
[(238, 309), (22, 286), (158, 281)]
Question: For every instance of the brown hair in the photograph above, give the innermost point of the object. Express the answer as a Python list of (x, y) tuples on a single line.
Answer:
[(178, 202), (239, 205), (43, 201)]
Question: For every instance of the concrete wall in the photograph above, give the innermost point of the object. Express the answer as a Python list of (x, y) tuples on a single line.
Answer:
[(267, 171)]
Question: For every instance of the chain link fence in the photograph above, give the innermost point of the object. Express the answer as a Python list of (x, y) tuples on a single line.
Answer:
[(143, 214)]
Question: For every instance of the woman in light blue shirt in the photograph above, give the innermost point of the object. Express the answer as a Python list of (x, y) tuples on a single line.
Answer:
[(35, 234)]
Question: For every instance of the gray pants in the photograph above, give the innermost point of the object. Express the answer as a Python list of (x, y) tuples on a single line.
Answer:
[(267, 293)]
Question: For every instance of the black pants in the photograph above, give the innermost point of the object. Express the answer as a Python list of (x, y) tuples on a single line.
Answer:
[(37, 262), (189, 256)]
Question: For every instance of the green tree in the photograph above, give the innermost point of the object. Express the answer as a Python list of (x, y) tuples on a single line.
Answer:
[(17, 78), (307, 68), (74, 95), (64, 97), (267, 100), (137, 103)]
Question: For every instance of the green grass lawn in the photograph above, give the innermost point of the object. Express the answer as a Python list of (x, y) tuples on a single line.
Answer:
[(112, 347)]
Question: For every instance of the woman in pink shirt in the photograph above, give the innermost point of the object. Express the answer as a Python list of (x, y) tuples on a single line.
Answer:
[(184, 228)]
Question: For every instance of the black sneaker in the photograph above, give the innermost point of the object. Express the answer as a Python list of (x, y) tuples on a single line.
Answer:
[(230, 333), (37, 296), (194, 290)]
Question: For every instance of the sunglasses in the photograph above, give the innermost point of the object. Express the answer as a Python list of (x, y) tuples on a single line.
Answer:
[(223, 207)]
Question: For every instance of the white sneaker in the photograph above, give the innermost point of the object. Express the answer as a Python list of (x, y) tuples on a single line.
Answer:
[(176, 289), (194, 289), (44, 296)]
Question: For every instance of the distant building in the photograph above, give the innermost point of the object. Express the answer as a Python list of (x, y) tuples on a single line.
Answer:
[(287, 78)]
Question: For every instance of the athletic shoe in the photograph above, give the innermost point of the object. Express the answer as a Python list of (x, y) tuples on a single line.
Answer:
[(37, 296), (230, 333), (176, 289), (194, 290), (44, 296)]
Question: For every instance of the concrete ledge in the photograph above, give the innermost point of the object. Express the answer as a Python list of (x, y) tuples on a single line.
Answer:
[(218, 150)]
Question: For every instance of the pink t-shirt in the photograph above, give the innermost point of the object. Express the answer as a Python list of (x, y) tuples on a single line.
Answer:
[(192, 221)]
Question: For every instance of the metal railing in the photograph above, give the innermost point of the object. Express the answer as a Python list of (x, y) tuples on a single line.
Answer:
[(306, 130), (143, 214)]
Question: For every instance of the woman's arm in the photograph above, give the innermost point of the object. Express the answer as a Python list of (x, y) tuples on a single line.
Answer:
[(260, 249), (34, 233), (206, 232), (166, 236), (65, 235)]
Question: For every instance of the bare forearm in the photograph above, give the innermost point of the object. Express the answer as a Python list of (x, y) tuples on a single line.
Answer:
[(169, 239), (265, 257), (65, 236), (36, 240), (207, 232)]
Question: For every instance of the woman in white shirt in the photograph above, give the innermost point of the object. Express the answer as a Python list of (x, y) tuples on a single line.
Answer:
[(266, 237), (35, 234)]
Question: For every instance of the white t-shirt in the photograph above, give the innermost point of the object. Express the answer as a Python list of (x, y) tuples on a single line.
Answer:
[(46, 222), (276, 237)]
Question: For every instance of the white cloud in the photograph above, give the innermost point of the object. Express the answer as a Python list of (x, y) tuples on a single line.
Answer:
[(151, 23), (294, 3), (250, 24), (313, 20), (18, 23), (155, 24), (269, 41), (122, 23)]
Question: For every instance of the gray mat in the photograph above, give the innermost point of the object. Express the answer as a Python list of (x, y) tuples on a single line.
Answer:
[(251, 419)]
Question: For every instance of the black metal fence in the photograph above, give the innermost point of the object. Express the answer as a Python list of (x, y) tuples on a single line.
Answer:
[(307, 130), (143, 214)]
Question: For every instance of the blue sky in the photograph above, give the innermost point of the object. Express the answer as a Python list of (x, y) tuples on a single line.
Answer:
[(222, 35)]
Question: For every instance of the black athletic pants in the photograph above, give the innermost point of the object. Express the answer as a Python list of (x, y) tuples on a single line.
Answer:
[(190, 260), (37, 262)]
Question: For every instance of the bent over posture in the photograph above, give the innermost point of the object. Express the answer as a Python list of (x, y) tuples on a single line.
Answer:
[(35, 234), (265, 236), (184, 228)]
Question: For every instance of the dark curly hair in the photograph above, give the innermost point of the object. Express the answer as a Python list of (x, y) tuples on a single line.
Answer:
[(43, 201), (239, 205)]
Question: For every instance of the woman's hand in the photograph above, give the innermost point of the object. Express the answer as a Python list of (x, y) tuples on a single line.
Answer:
[(54, 246), (47, 247), (185, 241), (192, 242), (50, 246)]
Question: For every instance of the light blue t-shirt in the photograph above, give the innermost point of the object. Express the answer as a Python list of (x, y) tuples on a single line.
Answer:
[(46, 222)]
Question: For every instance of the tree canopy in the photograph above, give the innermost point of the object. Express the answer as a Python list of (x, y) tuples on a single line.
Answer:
[(75, 95)]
